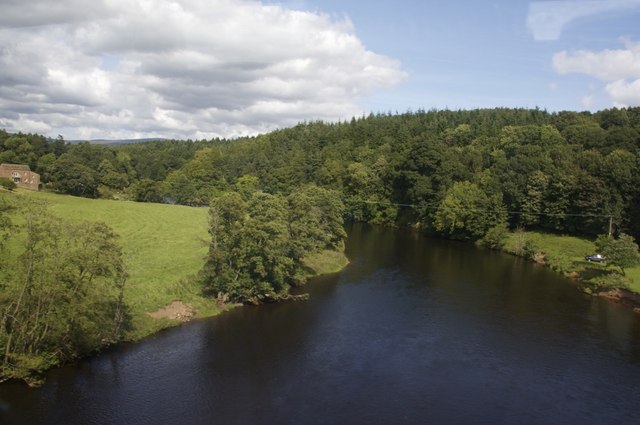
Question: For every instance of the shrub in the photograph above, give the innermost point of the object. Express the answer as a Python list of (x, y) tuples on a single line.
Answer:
[(7, 183), (611, 281), (559, 263), (496, 237), (523, 245)]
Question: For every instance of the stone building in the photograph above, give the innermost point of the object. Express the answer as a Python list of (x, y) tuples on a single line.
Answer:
[(21, 175)]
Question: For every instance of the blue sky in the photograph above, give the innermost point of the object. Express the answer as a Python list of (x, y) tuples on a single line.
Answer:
[(469, 54), (225, 68)]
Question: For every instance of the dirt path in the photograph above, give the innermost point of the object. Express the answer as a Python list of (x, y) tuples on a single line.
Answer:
[(177, 310)]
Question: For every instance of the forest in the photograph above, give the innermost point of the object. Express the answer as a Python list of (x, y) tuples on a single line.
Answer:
[(562, 172), (275, 198)]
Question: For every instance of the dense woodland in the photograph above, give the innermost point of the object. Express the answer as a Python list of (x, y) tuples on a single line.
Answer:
[(454, 173), (278, 197)]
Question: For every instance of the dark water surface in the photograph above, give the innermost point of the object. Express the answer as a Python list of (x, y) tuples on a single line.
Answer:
[(414, 331)]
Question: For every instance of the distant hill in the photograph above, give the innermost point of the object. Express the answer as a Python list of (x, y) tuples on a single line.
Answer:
[(116, 142)]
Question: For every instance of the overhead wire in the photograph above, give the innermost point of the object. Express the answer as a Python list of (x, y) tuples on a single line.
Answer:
[(509, 212)]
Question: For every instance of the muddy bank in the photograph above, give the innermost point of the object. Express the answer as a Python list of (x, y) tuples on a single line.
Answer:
[(623, 296)]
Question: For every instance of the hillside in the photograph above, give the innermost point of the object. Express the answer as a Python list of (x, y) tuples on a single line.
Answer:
[(164, 247)]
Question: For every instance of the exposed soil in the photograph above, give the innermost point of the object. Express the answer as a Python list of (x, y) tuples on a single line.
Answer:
[(177, 310), (623, 296)]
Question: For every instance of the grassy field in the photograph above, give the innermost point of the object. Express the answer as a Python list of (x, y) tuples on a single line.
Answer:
[(326, 262), (565, 254), (164, 247)]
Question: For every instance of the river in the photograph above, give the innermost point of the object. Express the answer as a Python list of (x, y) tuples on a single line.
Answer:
[(413, 331)]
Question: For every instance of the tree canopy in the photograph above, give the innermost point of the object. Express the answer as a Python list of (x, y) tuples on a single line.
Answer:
[(64, 297), (565, 171), (621, 252), (258, 240)]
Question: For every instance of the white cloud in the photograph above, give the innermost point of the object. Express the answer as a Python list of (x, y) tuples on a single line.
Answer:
[(619, 68), (587, 101), (624, 93), (189, 68), (607, 65), (547, 19)]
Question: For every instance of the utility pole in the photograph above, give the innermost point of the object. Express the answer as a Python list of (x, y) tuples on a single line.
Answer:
[(610, 225)]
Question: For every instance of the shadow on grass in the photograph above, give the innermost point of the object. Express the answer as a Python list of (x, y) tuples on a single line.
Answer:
[(589, 273)]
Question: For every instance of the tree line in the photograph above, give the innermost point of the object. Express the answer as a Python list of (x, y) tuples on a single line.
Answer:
[(453, 173)]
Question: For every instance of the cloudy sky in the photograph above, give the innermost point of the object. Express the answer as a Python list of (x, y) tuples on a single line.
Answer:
[(206, 68)]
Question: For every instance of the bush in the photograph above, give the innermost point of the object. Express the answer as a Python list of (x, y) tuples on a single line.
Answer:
[(523, 246), (496, 237), (611, 281), (146, 190), (621, 252), (559, 263), (7, 183)]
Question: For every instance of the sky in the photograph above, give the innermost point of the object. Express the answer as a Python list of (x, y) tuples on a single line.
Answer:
[(198, 69)]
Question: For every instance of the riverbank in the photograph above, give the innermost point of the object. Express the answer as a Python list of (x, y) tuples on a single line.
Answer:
[(565, 255), (165, 247), (478, 324)]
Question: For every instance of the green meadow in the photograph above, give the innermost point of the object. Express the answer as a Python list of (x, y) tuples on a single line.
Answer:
[(565, 254), (164, 247)]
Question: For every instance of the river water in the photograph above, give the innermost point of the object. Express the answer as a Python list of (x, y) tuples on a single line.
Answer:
[(414, 331)]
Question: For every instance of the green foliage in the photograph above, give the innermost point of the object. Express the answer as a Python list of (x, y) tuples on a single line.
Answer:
[(496, 237), (110, 177), (162, 245), (74, 178), (324, 262), (7, 183), (248, 257), (609, 281), (621, 252), (198, 180), (523, 245), (6, 227), (146, 190), (550, 168), (532, 204), (467, 212), (565, 254), (45, 165), (315, 220), (63, 298), (259, 240)]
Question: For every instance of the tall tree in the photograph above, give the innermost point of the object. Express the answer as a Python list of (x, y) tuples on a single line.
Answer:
[(64, 299), (621, 252), (532, 205), (467, 212), (74, 178), (258, 240)]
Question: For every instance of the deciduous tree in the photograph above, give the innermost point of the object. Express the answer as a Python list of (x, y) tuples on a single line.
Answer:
[(621, 252), (63, 298)]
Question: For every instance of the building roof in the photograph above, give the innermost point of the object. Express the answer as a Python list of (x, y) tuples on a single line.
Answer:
[(16, 167)]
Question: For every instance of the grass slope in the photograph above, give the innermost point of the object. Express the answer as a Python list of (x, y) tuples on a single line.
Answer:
[(164, 247), (326, 262), (565, 254)]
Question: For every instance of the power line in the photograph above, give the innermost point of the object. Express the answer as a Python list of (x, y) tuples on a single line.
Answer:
[(429, 206), (435, 207)]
